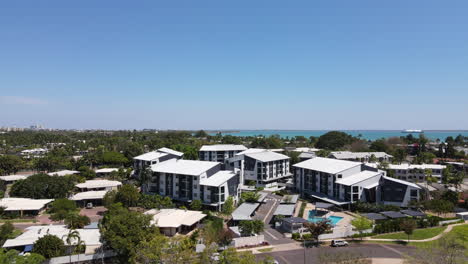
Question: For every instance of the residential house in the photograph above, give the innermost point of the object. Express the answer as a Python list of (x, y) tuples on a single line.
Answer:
[(24, 206), (175, 221), (361, 156)]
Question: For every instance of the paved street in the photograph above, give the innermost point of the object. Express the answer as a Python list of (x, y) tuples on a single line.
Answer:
[(364, 250)]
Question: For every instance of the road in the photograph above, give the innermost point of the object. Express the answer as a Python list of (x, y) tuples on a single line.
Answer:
[(363, 250)]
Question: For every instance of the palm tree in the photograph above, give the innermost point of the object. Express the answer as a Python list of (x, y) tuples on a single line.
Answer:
[(70, 238)]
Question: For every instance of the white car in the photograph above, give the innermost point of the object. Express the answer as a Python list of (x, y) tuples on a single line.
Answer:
[(339, 243)]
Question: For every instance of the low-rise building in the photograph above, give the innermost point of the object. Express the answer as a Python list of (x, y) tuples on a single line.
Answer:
[(89, 198), (24, 242), (63, 173), (24, 206), (416, 172), (34, 153), (105, 171), (98, 185), (361, 156), (175, 221), (9, 179)]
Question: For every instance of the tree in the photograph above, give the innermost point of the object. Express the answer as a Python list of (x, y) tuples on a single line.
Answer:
[(49, 246), (123, 230), (128, 195), (408, 226), (12, 256), (151, 251), (76, 221), (361, 223), (43, 186), (334, 140), (440, 206), (72, 237), (10, 164), (61, 208), (109, 198), (196, 205), (228, 206), (249, 227), (114, 158), (6, 232), (212, 230), (318, 228), (201, 134), (86, 172), (250, 197)]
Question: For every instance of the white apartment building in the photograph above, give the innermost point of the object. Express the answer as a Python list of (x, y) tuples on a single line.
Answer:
[(219, 153), (265, 167), (188, 180), (342, 182), (416, 172), (147, 159)]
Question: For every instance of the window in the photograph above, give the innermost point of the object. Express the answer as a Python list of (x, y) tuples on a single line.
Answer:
[(195, 195), (340, 176), (414, 193), (355, 188), (195, 187)]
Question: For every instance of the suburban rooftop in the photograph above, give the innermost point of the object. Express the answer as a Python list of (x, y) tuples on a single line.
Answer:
[(223, 147), (327, 165)]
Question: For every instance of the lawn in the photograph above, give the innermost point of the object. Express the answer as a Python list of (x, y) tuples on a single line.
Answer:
[(461, 229), (263, 250), (418, 234)]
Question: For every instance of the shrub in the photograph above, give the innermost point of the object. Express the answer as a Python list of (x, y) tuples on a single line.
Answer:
[(302, 209), (295, 236), (49, 246)]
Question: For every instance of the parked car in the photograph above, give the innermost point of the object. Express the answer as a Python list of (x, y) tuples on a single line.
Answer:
[(339, 243)]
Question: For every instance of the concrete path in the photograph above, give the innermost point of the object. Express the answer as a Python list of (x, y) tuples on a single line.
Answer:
[(448, 229)]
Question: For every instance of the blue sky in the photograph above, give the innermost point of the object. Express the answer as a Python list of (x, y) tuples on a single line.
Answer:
[(234, 64)]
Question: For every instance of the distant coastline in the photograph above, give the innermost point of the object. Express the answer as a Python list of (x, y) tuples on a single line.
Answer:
[(364, 134)]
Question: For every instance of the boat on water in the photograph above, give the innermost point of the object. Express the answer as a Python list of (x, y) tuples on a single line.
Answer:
[(412, 131)]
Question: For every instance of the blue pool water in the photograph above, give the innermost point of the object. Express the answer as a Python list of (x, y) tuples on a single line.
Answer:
[(314, 219)]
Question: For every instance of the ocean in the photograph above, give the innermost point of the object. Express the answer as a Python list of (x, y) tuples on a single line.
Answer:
[(365, 134)]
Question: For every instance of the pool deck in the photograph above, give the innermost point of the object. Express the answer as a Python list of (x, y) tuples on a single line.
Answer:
[(344, 224)]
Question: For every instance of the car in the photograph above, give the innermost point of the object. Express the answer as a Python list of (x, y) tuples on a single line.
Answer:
[(339, 243)]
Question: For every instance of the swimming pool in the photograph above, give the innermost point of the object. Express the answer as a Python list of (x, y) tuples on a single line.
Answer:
[(314, 219)]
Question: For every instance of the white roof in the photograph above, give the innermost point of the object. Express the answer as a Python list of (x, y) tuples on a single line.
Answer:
[(13, 177), (88, 236), (244, 211), (89, 195), (358, 177), (175, 217), (94, 184), (406, 166), (107, 170), (358, 155), (63, 173), (402, 182), (285, 209), (223, 147), (171, 151), (251, 150), (267, 156), (218, 178), (34, 150), (185, 167), (327, 165), (18, 204), (306, 149), (149, 156)]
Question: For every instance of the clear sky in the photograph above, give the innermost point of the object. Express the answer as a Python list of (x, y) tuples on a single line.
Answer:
[(234, 64)]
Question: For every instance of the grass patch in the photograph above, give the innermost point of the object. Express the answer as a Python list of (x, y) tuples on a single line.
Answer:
[(263, 250), (418, 234)]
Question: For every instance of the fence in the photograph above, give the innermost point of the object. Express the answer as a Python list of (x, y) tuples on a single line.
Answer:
[(247, 241)]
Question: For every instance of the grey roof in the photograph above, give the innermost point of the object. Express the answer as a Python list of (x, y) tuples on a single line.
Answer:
[(290, 199), (244, 211), (393, 214), (412, 213), (323, 205), (293, 220), (285, 209), (374, 216)]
